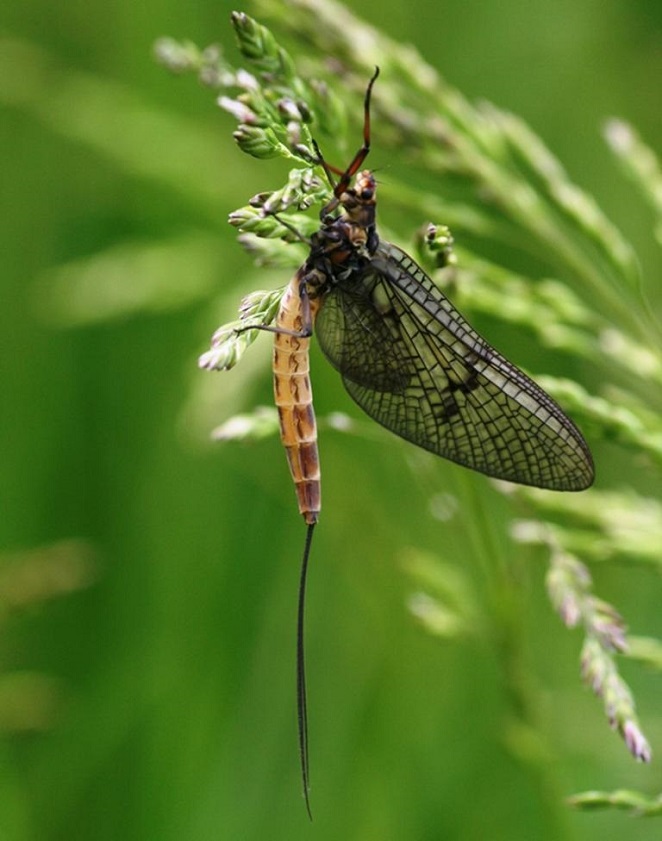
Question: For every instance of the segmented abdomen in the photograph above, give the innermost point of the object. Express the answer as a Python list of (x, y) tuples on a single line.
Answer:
[(294, 400)]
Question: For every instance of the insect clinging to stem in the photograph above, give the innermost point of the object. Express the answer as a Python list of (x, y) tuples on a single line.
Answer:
[(410, 360)]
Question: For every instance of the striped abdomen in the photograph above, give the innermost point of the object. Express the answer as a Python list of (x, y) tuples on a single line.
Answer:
[(294, 400)]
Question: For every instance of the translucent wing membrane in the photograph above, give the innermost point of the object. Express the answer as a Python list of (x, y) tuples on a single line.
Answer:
[(414, 364)]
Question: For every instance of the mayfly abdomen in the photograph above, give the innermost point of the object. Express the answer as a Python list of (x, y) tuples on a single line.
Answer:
[(294, 399)]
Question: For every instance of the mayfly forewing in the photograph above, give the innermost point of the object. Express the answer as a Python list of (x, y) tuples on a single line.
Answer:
[(358, 340), (533, 441), (456, 395)]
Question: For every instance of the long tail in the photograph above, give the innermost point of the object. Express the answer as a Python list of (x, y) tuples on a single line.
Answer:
[(302, 711)]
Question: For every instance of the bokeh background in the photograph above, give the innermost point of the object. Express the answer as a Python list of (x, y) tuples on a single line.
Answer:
[(150, 577)]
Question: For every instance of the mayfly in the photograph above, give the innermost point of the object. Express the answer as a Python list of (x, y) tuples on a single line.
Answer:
[(410, 361)]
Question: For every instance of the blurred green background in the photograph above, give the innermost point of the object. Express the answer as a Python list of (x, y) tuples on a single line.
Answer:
[(157, 701)]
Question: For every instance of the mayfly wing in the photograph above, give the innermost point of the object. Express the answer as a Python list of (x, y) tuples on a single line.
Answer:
[(414, 364), (359, 341)]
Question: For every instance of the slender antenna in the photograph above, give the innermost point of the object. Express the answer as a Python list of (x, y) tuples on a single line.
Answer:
[(302, 711), (347, 174)]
